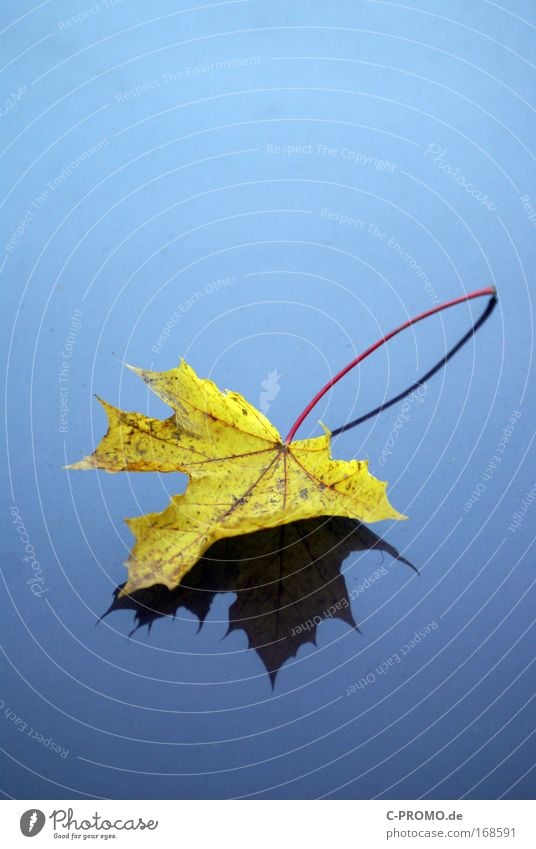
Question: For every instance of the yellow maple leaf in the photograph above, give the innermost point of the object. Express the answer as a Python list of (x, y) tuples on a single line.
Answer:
[(243, 477)]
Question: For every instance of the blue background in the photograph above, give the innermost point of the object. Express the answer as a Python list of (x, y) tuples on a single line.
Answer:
[(141, 152)]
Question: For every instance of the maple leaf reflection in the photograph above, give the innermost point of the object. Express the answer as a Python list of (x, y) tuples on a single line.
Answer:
[(287, 580)]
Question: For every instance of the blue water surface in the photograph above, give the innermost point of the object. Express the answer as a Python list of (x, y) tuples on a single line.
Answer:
[(265, 189)]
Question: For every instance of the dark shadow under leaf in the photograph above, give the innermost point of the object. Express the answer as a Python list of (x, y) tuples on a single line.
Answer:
[(287, 580)]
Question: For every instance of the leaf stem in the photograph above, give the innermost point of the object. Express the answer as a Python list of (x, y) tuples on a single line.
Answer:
[(490, 290)]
